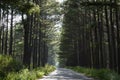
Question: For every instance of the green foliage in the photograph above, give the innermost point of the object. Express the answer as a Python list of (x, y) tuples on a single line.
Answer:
[(20, 6), (41, 71), (39, 74), (4, 61), (46, 69), (26, 74), (29, 8), (14, 66), (100, 74), (8, 64)]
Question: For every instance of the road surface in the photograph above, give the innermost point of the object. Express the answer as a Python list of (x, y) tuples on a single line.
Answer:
[(65, 74)]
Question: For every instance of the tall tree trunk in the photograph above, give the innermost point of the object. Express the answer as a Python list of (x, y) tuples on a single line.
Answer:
[(0, 39), (2, 45), (26, 56), (2, 32), (11, 34), (6, 40), (39, 50), (109, 55), (118, 35), (96, 50)]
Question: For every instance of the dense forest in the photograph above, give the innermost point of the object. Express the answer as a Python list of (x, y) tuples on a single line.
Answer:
[(91, 34), (27, 34), (34, 33), (26, 28)]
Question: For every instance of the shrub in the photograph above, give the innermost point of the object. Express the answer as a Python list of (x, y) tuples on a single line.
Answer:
[(47, 69), (39, 74), (4, 62), (24, 74), (8, 64), (11, 69), (13, 66)]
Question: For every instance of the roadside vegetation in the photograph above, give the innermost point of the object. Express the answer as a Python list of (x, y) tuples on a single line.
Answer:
[(98, 74), (11, 69)]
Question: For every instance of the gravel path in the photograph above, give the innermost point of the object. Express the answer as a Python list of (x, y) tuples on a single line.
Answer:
[(65, 74)]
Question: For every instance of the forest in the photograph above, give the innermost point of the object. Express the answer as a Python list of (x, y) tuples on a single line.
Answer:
[(91, 33), (37, 35)]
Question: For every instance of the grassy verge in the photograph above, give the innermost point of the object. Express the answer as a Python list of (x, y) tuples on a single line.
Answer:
[(26, 74), (99, 74), (11, 69)]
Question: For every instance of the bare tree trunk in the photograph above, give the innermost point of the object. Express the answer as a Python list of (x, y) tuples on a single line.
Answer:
[(109, 59), (2, 32), (0, 39), (11, 35), (6, 40), (118, 36), (96, 53), (26, 56)]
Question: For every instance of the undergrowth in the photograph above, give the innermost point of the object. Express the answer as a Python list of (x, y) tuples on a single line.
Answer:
[(11, 69), (99, 74)]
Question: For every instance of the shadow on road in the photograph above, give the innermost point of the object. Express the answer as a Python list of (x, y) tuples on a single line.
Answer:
[(65, 74)]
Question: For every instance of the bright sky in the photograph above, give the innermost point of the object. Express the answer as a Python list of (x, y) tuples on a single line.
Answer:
[(60, 1)]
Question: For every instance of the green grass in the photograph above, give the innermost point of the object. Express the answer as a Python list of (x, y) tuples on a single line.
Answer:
[(99, 74)]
